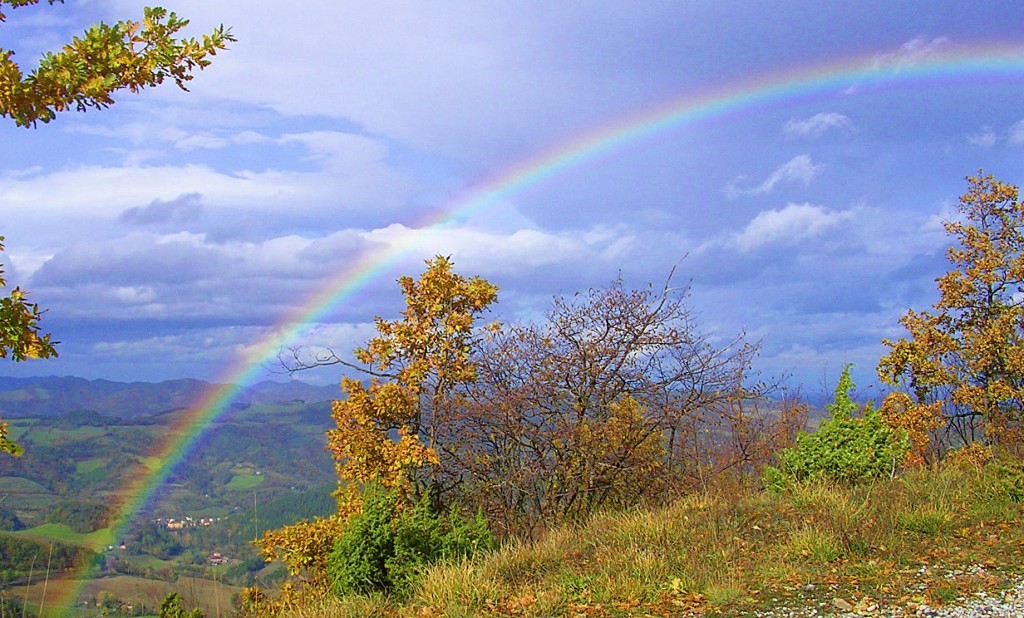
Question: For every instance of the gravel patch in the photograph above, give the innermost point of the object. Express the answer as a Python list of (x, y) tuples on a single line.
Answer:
[(1004, 603)]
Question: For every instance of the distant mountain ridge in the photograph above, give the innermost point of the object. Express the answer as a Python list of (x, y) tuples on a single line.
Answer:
[(54, 395)]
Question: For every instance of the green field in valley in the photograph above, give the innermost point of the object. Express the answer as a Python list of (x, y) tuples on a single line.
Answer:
[(18, 427), (61, 532), (88, 465), (49, 436), (245, 481)]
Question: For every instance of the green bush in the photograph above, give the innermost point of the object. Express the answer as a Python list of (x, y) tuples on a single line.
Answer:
[(386, 547), (14, 607), (171, 608), (9, 521), (1010, 478), (844, 449)]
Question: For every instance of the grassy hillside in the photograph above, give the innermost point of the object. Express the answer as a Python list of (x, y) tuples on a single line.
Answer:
[(213, 598), (27, 499), (64, 534), (928, 537)]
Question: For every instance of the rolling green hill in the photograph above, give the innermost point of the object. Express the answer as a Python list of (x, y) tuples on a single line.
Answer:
[(261, 464)]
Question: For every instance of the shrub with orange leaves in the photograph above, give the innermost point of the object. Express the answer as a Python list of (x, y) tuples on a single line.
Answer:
[(973, 456), (917, 421)]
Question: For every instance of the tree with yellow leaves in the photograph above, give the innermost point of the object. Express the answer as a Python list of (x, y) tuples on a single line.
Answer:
[(962, 366), (425, 355), (19, 326), (387, 432), (19, 340), (87, 71)]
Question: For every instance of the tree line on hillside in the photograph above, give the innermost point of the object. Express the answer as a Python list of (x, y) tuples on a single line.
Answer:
[(233, 535), (226, 444), (19, 557), (82, 517), (45, 465), (52, 459), (188, 549), (9, 520)]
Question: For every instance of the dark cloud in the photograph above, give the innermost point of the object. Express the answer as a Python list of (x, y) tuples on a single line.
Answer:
[(185, 208)]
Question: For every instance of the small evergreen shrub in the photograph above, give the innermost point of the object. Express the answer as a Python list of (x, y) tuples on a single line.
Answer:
[(386, 547), (844, 449), (171, 608), (1009, 479), (358, 562)]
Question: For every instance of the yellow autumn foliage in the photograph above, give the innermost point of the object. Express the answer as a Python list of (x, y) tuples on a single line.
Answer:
[(961, 366), (385, 432)]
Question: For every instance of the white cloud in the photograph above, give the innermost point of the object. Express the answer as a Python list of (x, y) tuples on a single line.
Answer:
[(1016, 135), (793, 223), (817, 125), (155, 131), (88, 198), (202, 140), (985, 138), (209, 344), (798, 169), (513, 252), (189, 276), (338, 152), (912, 52), (136, 294), (185, 207)]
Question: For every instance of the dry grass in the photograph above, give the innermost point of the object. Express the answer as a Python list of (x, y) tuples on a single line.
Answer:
[(926, 533)]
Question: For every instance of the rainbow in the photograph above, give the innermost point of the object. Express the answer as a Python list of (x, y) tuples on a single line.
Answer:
[(851, 77)]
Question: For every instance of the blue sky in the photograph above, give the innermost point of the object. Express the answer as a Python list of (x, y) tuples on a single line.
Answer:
[(169, 235)]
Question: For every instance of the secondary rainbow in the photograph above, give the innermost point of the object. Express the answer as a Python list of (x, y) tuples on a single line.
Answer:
[(859, 76)]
